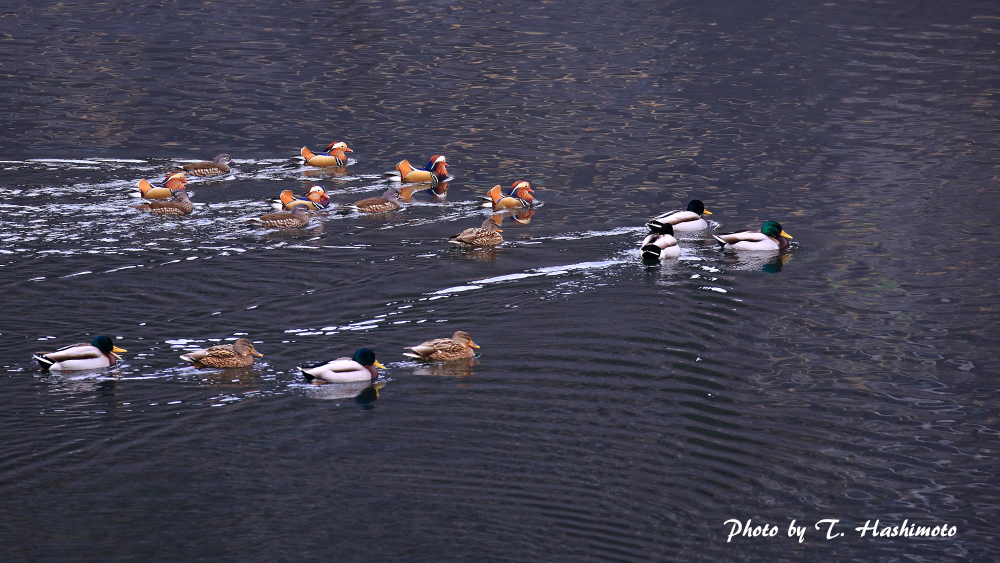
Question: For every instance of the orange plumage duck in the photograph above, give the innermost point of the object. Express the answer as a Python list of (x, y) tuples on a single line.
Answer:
[(435, 171), (148, 190), (335, 155), (519, 197), (315, 200)]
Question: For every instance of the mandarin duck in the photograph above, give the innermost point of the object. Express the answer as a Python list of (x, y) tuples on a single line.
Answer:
[(689, 220), (459, 346), (360, 367), (297, 217), (239, 354), (218, 167), (100, 353), (435, 171), (486, 235), (518, 197), (770, 237), (147, 190), (179, 204), (335, 155), (315, 200)]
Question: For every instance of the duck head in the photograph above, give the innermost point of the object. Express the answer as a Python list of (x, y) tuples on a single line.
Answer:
[(107, 346), (366, 357), (243, 347), (696, 206), (392, 194), (464, 338), (180, 195), (176, 181), (339, 145), (222, 159), (522, 190), (493, 224), (773, 229), (438, 165), (316, 193)]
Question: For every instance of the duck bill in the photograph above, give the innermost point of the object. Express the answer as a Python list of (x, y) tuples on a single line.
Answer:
[(786, 235), (473, 344), (706, 212), (256, 353), (378, 364), (119, 350)]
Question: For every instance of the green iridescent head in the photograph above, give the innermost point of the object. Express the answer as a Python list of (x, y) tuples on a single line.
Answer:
[(773, 229)]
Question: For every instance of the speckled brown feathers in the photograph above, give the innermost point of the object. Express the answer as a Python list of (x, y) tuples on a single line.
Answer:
[(486, 235), (239, 354), (218, 167), (179, 204), (459, 346), (388, 202), (297, 217)]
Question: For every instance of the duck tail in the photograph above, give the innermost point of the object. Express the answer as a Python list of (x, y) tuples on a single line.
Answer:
[(722, 243), (144, 186), (309, 377), (496, 193), (44, 362), (651, 251), (306, 153), (412, 355)]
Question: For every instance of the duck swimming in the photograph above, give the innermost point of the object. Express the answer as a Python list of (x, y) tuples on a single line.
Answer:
[(688, 220), (660, 243), (389, 201), (100, 353), (315, 200), (459, 346), (297, 217), (335, 155), (179, 204), (486, 235), (518, 197), (218, 167), (435, 171), (770, 237), (360, 367), (239, 354), (147, 190)]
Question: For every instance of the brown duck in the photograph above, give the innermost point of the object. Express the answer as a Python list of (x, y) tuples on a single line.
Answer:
[(388, 202), (297, 217), (239, 354), (487, 235), (459, 346), (218, 167), (179, 204)]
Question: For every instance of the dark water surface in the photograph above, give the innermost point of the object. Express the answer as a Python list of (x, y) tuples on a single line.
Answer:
[(616, 412)]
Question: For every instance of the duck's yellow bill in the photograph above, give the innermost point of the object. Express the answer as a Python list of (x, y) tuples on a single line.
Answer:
[(473, 344), (256, 353), (119, 350), (786, 235), (706, 212), (378, 364)]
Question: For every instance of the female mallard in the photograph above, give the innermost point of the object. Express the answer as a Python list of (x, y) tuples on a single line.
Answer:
[(218, 167), (179, 204), (335, 155), (100, 353), (283, 219), (690, 220), (315, 200), (660, 243), (459, 346), (388, 202), (147, 190), (239, 354), (360, 367), (486, 235), (435, 171), (518, 197), (770, 237)]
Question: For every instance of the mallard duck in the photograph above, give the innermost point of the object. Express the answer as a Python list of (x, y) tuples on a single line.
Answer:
[(147, 190), (486, 235), (360, 367), (335, 155), (297, 217), (660, 243), (459, 346), (435, 171), (770, 237), (315, 200), (239, 354), (179, 204), (218, 167), (518, 197), (690, 220), (389, 201), (100, 353)]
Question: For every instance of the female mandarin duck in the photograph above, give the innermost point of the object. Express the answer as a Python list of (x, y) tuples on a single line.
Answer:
[(518, 197), (315, 200), (100, 353), (360, 367), (486, 235), (770, 237), (660, 243), (335, 155), (689, 220), (218, 167), (283, 219), (239, 354), (435, 171), (179, 204), (389, 201), (147, 190), (459, 346)]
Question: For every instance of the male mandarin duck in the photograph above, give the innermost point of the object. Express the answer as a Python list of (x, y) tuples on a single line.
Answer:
[(239, 354), (218, 167), (486, 235), (689, 220), (315, 200), (435, 171), (459, 346), (389, 201), (147, 190), (335, 155), (360, 367), (660, 243), (770, 237), (283, 219), (100, 353), (179, 204), (519, 196)]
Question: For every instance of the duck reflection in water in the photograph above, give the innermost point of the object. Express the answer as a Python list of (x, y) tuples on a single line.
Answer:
[(770, 262), (454, 368), (327, 172), (437, 194), (363, 392)]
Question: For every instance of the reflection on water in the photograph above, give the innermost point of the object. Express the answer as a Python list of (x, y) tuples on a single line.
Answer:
[(453, 368)]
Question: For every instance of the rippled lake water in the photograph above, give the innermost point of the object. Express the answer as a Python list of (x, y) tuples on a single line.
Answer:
[(616, 411)]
